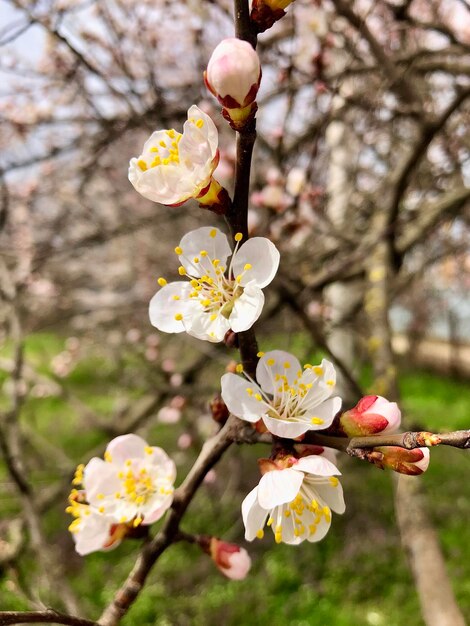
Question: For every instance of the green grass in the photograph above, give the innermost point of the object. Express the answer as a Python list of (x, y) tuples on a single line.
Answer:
[(357, 575)]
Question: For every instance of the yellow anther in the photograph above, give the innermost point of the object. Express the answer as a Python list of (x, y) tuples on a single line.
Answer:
[(270, 362), (334, 481), (307, 366), (108, 457), (317, 420), (142, 164), (247, 267), (157, 161), (260, 533), (312, 528), (181, 271), (162, 282), (213, 317), (203, 252), (100, 496), (205, 302), (148, 450), (278, 537), (258, 397), (287, 513), (101, 509), (194, 283), (176, 297), (331, 383), (270, 522), (128, 463), (154, 149), (239, 368), (78, 477), (286, 365), (200, 123), (178, 250), (318, 370), (239, 278), (249, 391), (162, 143), (171, 133), (260, 354), (213, 233), (178, 317), (238, 237), (123, 519), (216, 262), (196, 259), (117, 495)]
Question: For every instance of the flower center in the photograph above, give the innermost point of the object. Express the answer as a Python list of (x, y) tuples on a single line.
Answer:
[(138, 487), (166, 152)]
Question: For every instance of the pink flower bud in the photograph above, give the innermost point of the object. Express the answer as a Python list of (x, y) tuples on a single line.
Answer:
[(371, 415), (411, 462), (234, 73), (233, 561)]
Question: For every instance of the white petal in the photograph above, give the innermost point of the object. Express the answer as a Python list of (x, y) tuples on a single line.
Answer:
[(332, 495), (284, 428), (325, 411), (322, 528), (198, 144), (217, 247), (100, 477), (254, 516), (247, 309), (166, 184), (202, 327), (262, 255), (161, 463), (93, 533), (265, 373), (317, 465), (163, 307), (158, 508), (278, 487), (238, 401), (126, 447)]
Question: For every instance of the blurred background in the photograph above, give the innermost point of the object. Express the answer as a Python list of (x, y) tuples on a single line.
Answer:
[(363, 121)]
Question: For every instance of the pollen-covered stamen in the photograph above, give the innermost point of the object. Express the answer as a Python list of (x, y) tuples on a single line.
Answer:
[(165, 153), (215, 288)]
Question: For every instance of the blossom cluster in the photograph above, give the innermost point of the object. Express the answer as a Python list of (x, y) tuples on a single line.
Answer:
[(219, 294)]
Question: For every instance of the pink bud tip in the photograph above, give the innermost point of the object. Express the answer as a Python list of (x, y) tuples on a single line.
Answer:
[(233, 561)]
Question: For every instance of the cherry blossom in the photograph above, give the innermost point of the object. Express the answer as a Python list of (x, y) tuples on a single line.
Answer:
[(216, 296), (371, 415), (133, 484), (295, 498), (174, 167), (289, 400), (412, 462)]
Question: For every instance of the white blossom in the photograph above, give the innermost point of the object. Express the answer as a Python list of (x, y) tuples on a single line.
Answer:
[(216, 296), (173, 166), (134, 484), (290, 400), (295, 500)]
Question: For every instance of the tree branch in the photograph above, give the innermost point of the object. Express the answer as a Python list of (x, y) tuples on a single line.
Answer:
[(42, 617)]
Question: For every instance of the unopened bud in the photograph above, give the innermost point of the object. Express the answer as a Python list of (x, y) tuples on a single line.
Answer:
[(219, 410), (231, 339), (233, 75), (411, 462), (233, 561), (371, 415)]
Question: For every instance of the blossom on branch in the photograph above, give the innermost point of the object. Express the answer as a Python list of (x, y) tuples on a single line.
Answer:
[(233, 76), (289, 400), (216, 297), (371, 415), (295, 498), (175, 167), (133, 486)]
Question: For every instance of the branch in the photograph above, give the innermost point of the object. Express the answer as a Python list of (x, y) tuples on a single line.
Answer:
[(42, 617)]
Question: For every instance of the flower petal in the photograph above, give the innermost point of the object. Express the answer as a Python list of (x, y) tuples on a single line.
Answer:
[(126, 447), (201, 326), (284, 428), (100, 477), (207, 238), (172, 299), (317, 465), (238, 401), (273, 363), (262, 255), (247, 309), (254, 516), (325, 411), (332, 495), (278, 487), (199, 142)]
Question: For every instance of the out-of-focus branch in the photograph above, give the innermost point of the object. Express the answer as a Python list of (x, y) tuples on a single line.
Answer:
[(42, 617)]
